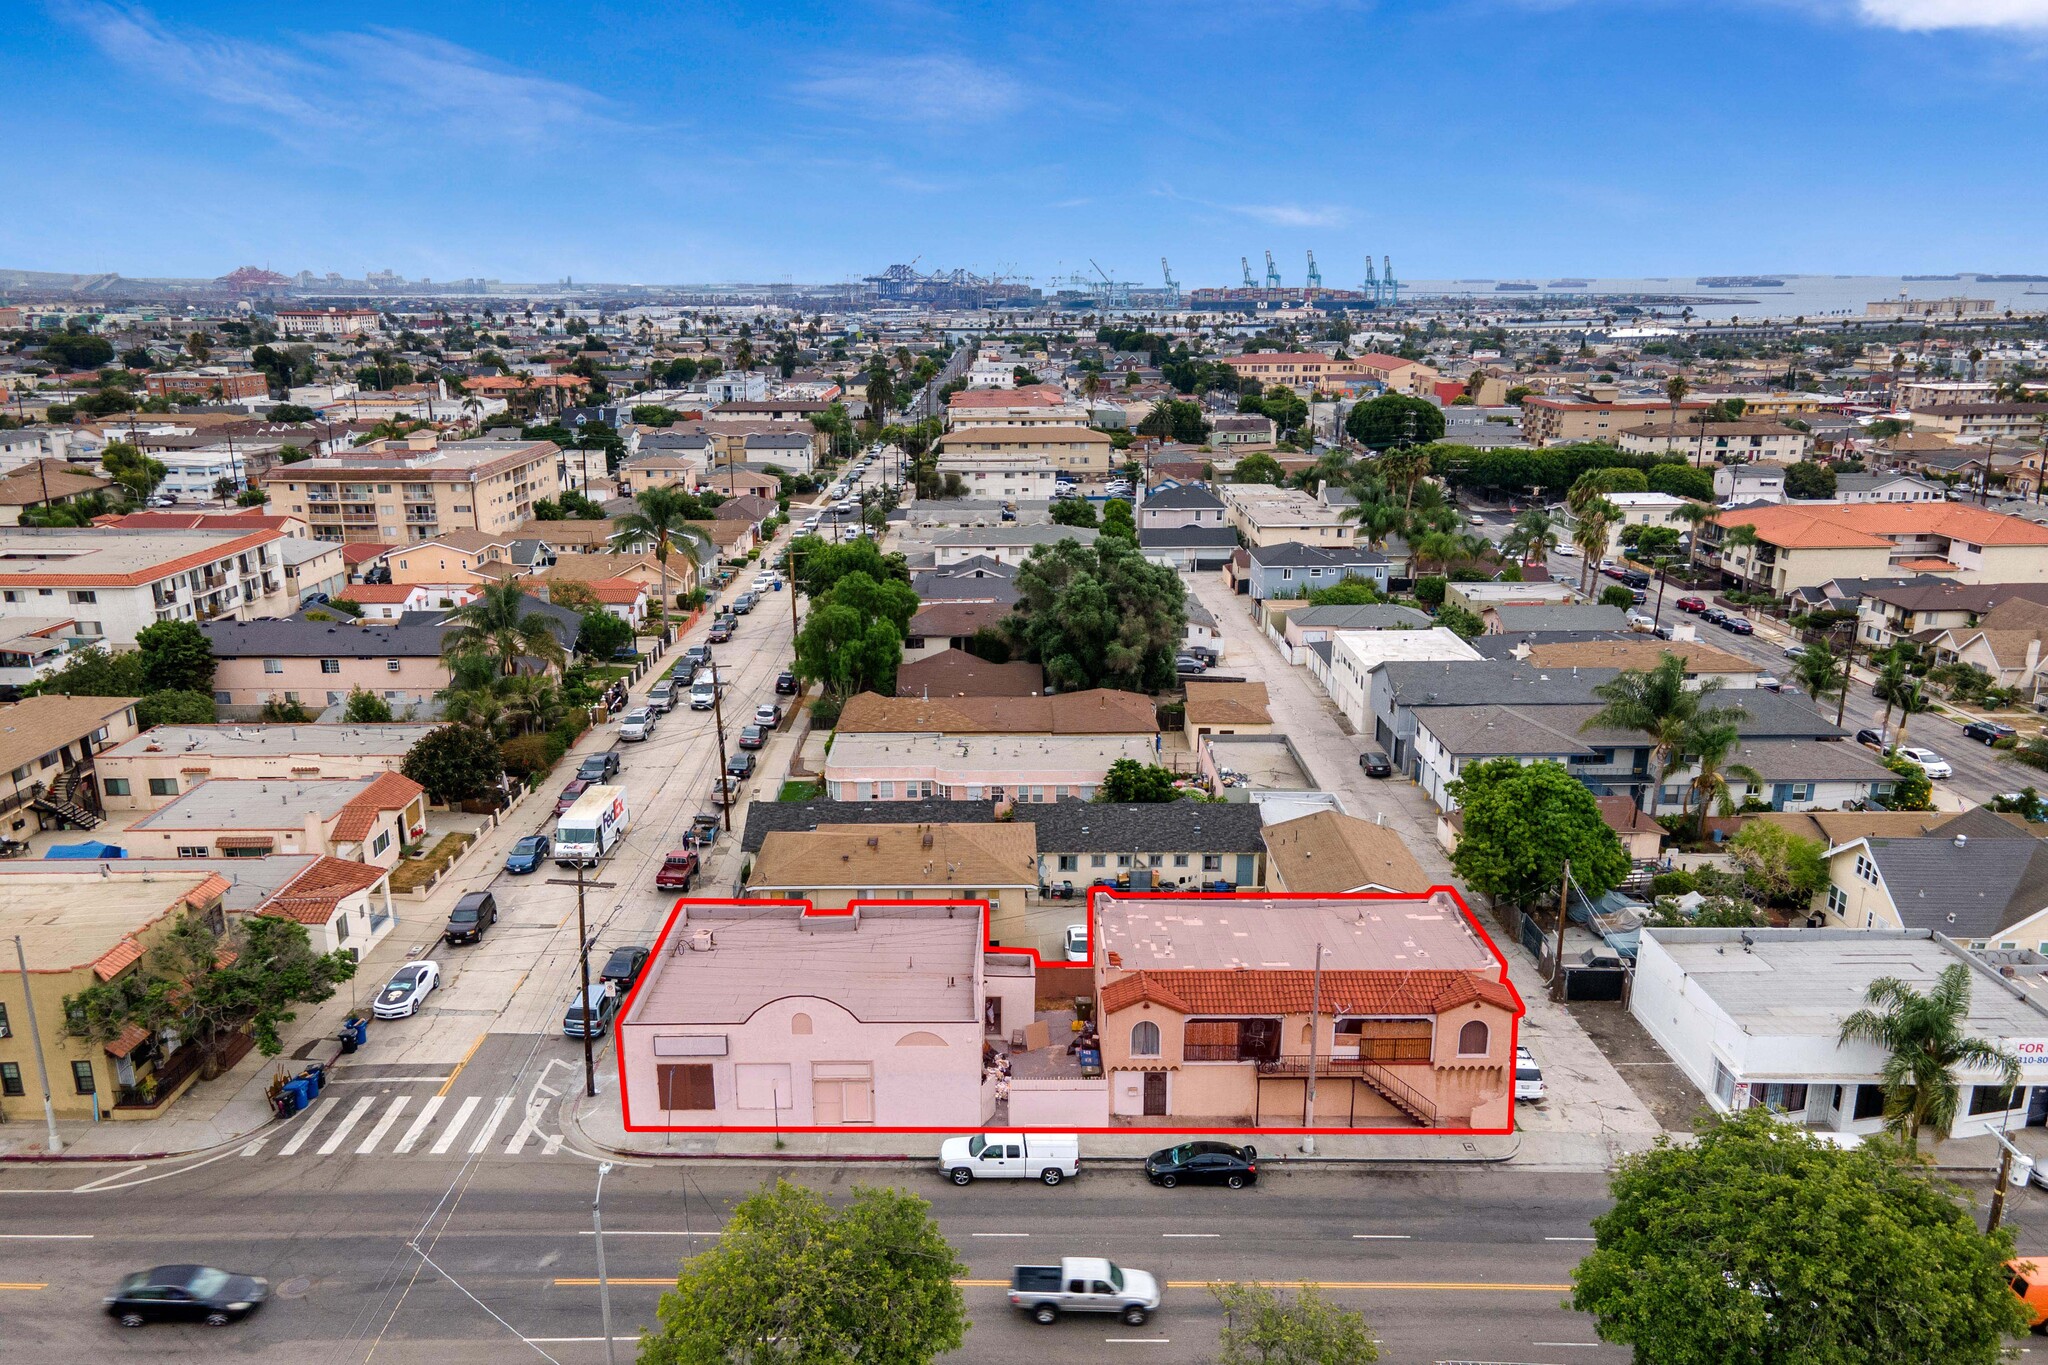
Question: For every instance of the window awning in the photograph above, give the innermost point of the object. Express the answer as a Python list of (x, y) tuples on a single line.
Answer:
[(245, 841)]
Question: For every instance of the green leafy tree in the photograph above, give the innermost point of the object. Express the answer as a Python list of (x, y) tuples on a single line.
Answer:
[(602, 633), (1522, 822), (1809, 479), (172, 707), (284, 711), (1429, 589), (820, 564), (176, 656), (1350, 592), (208, 987), (1926, 1044), (1614, 595), (661, 519), (792, 1281), (1757, 1241), (1074, 512), (853, 639), (1261, 1327), (1176, 420), (1128, 781), (77, 351), (1099, 616), (94, 672), (366, 708), (455, 763), (1394, 419), (134, 471), (1258, 467), (498, 626), (1781, 867), (1118, 520), (1463, 620), (1680, 480), (1911, 790)]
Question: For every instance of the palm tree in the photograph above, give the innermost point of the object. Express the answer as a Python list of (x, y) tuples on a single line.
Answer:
[(1894, 684), (497, 626), (1660, 704), (1708, 745), (1924, 1039), (1821, 673), (1675, 389), (1533, 536), (532, 703), (1741, 537), (1440, 546), (1404, 467), (661, 521), (1592, 516)]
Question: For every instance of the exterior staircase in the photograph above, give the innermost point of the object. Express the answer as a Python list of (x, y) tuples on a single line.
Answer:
[(61, 800), (1395, 1091)]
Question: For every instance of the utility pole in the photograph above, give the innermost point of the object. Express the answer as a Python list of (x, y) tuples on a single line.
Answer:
[(604, 1286), (1998, 1190), (1315, 1009), (583, 957), (718, 718), (35, 1036), (1563, 901)]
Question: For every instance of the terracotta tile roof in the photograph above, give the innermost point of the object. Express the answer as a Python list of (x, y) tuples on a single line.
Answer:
[(311, 897), (1029, 396), (390, 791), (1097, 711), (1251, 991), (1869, 525), (117, 959), (1227, 703), (380, 593), (361, 552), (133, 1036)]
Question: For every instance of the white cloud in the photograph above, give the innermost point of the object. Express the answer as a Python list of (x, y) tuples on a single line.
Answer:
[(1290, 215), (939, 88), (374, 83), (1925, 15)]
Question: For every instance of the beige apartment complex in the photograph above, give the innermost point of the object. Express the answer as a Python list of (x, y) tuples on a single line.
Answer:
[(1070, 449), (397, 492), (1596, 415)]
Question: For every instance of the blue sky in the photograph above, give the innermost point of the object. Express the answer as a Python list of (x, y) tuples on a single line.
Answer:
[(687, 141)]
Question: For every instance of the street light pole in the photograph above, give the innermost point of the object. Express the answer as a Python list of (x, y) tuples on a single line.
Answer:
[(35, 1036), (583, 957), (1315, 1009), (604, 1287)]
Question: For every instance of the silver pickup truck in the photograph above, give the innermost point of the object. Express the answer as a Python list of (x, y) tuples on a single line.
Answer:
[(1083, 1284)]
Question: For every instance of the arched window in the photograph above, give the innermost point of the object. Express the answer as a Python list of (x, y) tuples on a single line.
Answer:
[(799, 1023), (1145, 1039), (921, 1038), (1474, 1039)]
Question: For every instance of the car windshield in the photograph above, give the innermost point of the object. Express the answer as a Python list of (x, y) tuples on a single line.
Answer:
[(530, 844), (206, 1282), (1116, 1277), (976, 1145), (462, 914), (1179, 1156)]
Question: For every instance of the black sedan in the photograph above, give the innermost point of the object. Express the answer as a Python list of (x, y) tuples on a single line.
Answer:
[(1737, 625), (186, 1293), (1375, 764), (1204, 1163), (785, 684)]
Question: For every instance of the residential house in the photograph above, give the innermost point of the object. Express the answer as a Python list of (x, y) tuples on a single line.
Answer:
[(1307, 625), (1742, 484), (457, 559), (1007, 544), (676, 461), (360, 819), (33, 647), (1267, 516), (49, 749), (1979, 878), (836, 865), (1927, 604), (1662, 510), (1171, 846), (1225, 708), (149, 770), (391, 602), (789, 1016), (317, 664), (1329, 853), (1242, 433), (1188, 548), (1075, 450), (1754, 1017), (119, 585), (1703, 663), (1356, 657), (1001, 477), (1181, 504), (46, 483), (941, 626), (1289, 569), (977, 578), (1531, 621), (312, 569), (1853, 488), (956, 673), (885, 766), (1210, 1010), (1802, 544)]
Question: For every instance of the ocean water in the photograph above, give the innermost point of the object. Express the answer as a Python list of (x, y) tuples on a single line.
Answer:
[(1813, 296)]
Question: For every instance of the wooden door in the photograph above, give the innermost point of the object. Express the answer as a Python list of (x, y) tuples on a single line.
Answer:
[(1155, 1092)]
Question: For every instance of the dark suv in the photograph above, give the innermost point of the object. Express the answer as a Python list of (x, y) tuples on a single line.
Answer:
[(599, 767), (472, 915)]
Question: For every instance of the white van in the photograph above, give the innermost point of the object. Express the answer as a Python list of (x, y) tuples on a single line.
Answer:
[(1050, 1157), (1529, 1085)]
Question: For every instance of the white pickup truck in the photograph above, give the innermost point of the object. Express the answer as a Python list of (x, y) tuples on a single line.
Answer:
[(1083, 1284), (1050, 1157)]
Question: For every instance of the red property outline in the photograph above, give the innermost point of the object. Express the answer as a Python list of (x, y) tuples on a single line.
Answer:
[(1471, 921)]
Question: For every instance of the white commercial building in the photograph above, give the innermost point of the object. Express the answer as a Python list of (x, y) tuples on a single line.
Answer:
[(1355, 654), (117, 583), (1754, 1016), (996, 477)]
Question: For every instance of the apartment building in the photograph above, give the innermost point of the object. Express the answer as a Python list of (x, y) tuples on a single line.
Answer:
[(317, 664), (149, 770), (212, 382), (116, 585), (327, 324), (1075, 450), (49, 751), (996, 476), (1805, 544), (1983, 421), (1693, 441), (1638, 509), (1033, 405), (1597, 414), (397, 492), (1265, 515)]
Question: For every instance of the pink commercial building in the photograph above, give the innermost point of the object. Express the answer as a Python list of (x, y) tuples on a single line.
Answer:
[(772, 1015)]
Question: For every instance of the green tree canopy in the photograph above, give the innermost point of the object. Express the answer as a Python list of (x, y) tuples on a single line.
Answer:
[(1176, 419), (1761, 1242), (794, 1281), (94, 672), (1809, 479), (134, 471), (1118, 520), (853, 639), (1463, 620), (173, 707), (1128, 782), (498, 626), (1258, 467), (366, 708), (176, 657), (1074, 512), (1261, 1327), (455, 763), (1394, 419), (602, 633), (1781, 867), (1348, 592), (188, 984), (1681, 481), (1615, 595), (820, 564), (1522, 822), (1099, 616)]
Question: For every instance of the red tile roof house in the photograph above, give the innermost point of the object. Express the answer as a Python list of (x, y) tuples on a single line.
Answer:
[(1207, 1006), (344, 905), (364, 819), (389, 601)]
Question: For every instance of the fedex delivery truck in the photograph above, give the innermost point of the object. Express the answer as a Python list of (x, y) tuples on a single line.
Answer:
[(589, 830)]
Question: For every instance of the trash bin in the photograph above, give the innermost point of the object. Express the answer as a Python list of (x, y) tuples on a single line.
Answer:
[(315, 1075), (348, 1041), (361, 1025)]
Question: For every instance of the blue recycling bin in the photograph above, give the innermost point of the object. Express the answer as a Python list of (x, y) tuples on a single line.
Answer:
[(315, 1075), (357, 1030), (299, 1092)]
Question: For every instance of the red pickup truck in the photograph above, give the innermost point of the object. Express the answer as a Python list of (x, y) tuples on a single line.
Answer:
[(678, 870)]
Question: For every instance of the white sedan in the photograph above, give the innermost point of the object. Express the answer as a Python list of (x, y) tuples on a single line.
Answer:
[(1932, 763), (408, 988)]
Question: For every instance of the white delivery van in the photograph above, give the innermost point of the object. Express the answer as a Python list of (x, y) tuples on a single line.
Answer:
[(589, 830), (1050, 1157)]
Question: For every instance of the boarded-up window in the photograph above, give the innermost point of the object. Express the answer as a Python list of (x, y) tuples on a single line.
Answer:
[(1394, 1040), (1210, 1040), (685, 1086), (1474, 1038)]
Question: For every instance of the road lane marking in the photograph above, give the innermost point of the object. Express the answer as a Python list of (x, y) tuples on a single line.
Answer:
[(1190, 1234), (490, 1128), (462, 1113), (1151, 1341), (449, 1084), (340, 1135), (25, 1286), (306, 1126), (1588, 1344), (419, 1125), (46, 1236), (1382, 1237), (108, 1179), (1448, 1286), (369, 1144), (1568, 1239)]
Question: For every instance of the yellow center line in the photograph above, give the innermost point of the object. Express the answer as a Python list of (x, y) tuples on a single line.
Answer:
[(449, 1084), (1457, 1286), (24, 1285)]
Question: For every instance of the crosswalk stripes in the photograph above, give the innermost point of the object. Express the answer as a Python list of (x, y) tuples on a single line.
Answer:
[(365, 1125)]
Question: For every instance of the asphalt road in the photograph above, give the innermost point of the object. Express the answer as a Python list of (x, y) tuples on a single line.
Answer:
[(489, 1260)]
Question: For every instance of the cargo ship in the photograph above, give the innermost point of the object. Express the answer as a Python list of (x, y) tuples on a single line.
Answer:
[(1515, 287), (1738, 282)]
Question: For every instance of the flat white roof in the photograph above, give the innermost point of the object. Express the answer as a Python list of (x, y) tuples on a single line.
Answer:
[(268, 741), (1409, 933)]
